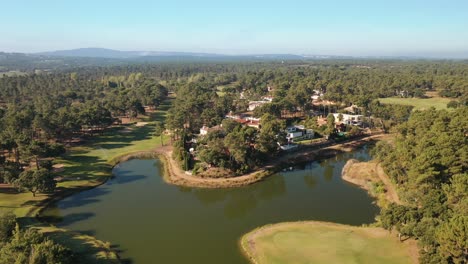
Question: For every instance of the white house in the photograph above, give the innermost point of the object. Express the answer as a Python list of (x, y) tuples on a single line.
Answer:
[(297, 131), (293, 135), (205, 130), (268, 98), (255, 104), (349, 119)]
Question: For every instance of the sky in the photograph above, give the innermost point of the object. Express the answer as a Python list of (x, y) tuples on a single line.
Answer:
[(329, 27)]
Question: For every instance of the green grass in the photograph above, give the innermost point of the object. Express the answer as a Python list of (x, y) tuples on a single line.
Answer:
[(318, 242), (87, 166), (89, 249), (220, 89), (418, 103), (91, 163)]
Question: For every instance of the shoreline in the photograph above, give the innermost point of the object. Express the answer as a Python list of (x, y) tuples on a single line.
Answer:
[(173, 174), (368, 175), (361, 174)]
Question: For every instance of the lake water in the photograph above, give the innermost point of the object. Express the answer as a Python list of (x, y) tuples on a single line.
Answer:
[(154, 222)]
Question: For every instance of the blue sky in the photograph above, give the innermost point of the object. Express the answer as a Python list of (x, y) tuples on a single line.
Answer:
[(334, 27)]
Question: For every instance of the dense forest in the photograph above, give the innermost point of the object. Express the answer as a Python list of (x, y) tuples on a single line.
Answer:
[(429, 163), (41, 114)]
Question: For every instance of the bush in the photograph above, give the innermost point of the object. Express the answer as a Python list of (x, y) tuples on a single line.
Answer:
[(452, 104), (7, 225), (55, 150), (198, 168)]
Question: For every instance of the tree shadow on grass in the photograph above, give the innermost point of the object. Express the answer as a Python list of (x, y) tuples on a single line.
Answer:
[(86, 250), (8, 190), (118, 137), (118, 249), (85, 167), (87, 232)]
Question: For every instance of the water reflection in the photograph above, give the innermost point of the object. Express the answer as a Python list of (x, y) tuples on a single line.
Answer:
[(328, 172), (154, 222), (310, 181), (237, 204)]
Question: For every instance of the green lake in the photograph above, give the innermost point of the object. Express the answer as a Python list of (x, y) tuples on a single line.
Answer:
[(150, 221)]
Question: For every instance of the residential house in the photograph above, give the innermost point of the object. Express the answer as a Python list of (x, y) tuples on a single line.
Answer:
[(205, 130), (348, 119), (255, 104), (298, 131)]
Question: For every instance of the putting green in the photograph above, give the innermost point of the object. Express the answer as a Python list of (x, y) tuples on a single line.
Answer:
[(318, 242)]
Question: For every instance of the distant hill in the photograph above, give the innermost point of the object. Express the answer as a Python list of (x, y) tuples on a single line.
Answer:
[(118, 54), (90, 52)]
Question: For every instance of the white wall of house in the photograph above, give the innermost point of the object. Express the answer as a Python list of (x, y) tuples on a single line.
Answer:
[(293, 135), (348, 119)]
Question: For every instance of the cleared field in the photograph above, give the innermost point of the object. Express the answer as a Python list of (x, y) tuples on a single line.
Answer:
[(12, 73), (319, 242), (418, 103)]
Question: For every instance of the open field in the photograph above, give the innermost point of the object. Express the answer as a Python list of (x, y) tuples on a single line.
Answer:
[(12, 73), (418, 103), (319, 242), (220, 89)]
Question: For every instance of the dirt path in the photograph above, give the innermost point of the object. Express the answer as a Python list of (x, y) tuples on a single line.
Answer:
[(366, 175), (391, 191)]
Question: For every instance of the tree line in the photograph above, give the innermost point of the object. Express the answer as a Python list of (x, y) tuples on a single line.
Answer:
[(428, 161)]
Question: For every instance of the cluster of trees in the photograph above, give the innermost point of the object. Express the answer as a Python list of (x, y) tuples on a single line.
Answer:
[(242, 148), (39, 113), (429, 163), (197, 104), (233, 146), (28, 245)]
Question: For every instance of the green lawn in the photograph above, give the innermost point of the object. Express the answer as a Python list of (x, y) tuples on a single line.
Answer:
[(418, 103), (89, 249), (220, 89), (318, 242)]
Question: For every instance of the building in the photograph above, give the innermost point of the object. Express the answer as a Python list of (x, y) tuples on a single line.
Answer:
[(348, 119), (253, 123), (255, 104), (205, 130), (298, 131)]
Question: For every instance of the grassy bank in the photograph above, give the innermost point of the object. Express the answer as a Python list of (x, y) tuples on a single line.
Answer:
[(419, 103), (318, 242), (85, 167)]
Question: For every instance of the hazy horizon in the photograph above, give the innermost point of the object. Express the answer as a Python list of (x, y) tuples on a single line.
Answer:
[(335, 28)]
